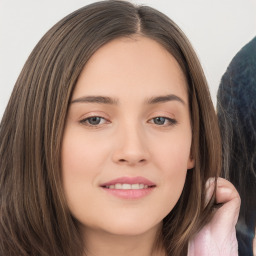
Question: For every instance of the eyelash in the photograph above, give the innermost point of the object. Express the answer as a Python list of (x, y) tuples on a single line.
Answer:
[(86, 121), (166, 121), (170, 121)]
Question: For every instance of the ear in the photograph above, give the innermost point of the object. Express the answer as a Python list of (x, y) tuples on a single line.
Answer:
[(191, 162)]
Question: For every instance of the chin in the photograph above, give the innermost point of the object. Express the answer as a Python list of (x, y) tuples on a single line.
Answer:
[(131, 228)]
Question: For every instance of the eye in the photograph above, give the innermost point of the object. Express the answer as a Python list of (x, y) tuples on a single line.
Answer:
[(93, 121), (163, 121)]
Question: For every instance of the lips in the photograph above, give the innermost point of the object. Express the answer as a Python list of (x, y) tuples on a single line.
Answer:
[(129, 187), (129, 183)]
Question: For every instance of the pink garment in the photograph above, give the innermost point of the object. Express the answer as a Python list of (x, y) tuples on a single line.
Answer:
[(218, 237)]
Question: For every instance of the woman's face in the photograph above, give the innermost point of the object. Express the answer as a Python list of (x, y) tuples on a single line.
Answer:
[(127, 138)]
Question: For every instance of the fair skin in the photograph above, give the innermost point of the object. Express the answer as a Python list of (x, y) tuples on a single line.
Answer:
[(140, 82), (126, 147)]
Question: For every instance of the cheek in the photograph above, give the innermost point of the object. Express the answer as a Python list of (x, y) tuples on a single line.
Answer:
[(80, 166), (172, 159), (83, 159), (173, 154), (81, 155)]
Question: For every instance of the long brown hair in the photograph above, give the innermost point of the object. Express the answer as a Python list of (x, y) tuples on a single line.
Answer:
[(34, 217)]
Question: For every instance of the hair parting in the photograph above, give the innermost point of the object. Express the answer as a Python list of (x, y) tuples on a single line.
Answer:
[(35, 219)]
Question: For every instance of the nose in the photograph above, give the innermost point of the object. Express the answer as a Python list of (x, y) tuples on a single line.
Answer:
[(131, 147)]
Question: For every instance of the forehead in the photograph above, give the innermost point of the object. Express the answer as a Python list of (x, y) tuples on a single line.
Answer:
[(132, 64)]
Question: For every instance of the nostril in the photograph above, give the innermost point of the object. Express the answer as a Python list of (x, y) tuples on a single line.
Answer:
[(132, 162)]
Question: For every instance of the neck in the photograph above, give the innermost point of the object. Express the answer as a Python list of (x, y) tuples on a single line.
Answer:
[(102, 243)]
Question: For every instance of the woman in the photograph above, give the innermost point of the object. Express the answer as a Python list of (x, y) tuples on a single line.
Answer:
[(108, 141), (237, 118)]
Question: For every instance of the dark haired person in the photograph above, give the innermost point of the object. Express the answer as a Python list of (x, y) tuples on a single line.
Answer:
[(237, 118), (110, 144)]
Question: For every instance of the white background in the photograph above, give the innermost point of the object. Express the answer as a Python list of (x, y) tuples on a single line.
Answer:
[(216, 28)]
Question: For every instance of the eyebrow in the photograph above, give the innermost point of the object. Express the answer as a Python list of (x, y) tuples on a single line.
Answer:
[(96, 99), (113, 101), (165, 98)]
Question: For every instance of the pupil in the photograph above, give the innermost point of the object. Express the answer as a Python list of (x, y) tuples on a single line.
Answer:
[(94, 120), (159, 120)]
